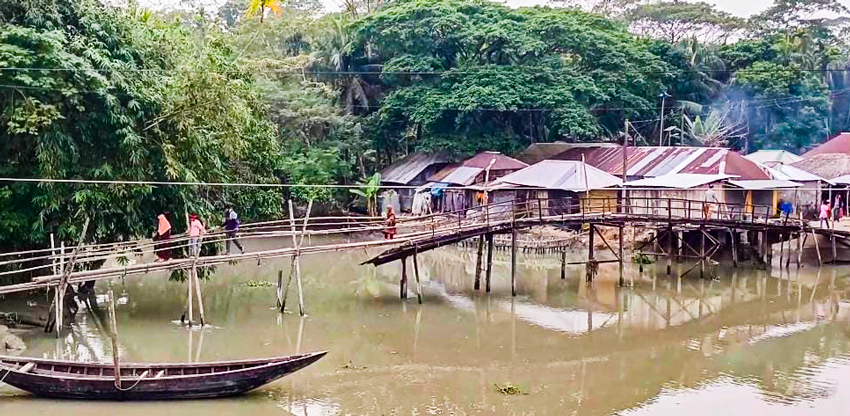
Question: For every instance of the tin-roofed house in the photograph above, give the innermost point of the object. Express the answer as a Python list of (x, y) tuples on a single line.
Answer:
[(806, 198), (411, 171), (772, 157), (481, 170), (559, 187), (676, 194)]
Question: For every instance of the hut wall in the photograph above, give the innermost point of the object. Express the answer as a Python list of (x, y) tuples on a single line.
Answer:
[(655, 201), (601, 200), (806, 197)]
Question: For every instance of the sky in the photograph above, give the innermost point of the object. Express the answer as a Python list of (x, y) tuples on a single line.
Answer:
[(741, 8)]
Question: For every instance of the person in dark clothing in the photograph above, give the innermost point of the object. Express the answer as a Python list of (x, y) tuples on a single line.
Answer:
[(163, 234), (231, 228)]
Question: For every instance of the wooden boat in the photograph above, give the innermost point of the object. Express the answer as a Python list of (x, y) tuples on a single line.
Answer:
[(70, 380)]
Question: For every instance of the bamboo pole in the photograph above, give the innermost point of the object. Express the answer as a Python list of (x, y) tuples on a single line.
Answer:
[(59, 301), (478, 263), (416, 273), (513, 261), (198, 294), (489, 261), (114, 335), (817, 248), (297, 247)]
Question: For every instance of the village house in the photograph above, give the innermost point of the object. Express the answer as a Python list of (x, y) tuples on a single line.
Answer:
[(772, 157), (473, 175), (561, 187), (410, 171)]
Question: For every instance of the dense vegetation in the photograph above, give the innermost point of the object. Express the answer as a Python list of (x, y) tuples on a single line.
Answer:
[(261, 91)]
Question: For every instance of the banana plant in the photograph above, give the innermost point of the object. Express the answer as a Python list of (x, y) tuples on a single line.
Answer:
[(369, 192)]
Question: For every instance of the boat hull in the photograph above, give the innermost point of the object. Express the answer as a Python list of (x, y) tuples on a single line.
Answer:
[(207, 382)]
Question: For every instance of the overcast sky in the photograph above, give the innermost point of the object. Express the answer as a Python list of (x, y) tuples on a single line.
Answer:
[(742, 8)]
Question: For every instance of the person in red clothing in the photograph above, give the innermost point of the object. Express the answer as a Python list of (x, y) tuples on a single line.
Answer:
[(196, 230), (390, 230)]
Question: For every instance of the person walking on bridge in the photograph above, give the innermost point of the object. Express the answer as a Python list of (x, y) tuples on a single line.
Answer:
[(163, 234), (710, 199), (824, 214), (196, 230), (231, 228), (390, 230)]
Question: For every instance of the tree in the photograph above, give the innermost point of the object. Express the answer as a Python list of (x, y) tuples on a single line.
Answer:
[(676, 21), (464, 76), (132, 98), (258, 7)]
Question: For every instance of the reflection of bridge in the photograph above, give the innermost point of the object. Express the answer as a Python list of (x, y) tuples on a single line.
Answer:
[(683, 229)]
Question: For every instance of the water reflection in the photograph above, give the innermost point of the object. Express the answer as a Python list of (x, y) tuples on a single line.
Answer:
[(751, 341)]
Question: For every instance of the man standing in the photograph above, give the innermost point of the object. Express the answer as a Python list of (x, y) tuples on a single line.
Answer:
[(231, 227), (710, 198)]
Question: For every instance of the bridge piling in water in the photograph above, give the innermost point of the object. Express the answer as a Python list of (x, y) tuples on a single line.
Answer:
[(489, 262)]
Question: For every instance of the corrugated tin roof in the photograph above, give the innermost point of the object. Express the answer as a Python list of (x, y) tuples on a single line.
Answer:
[(837, 144), (483, 159), (842, 180), (460, 175), (678, 181), (404, 170), (537, 152), (791, 173), (566, 175), (773, 157), (765, 184), (649, 161)]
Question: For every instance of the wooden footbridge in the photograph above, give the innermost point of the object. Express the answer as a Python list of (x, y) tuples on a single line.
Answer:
[(682, 230)]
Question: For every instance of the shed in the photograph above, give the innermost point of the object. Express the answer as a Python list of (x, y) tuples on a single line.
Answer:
[(411, 171), (653, 196), (808, 196), (773, 157), (559, 185), (761, 195), (478, 170)]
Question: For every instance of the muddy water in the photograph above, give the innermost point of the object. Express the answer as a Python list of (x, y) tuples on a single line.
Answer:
[(751, 341)]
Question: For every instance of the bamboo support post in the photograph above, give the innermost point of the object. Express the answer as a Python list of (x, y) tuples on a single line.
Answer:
[(416, 275), (297, 255), (669, 246), (563, 263), (479, 262), (114, 335), (702, 251), (513, 261), (403, 282), (279, 288), (190, 305), (732, 238), (198, 294), (59, 301), (489, 262), (622, 256), (799, 249), (817, 248), (590, 254)]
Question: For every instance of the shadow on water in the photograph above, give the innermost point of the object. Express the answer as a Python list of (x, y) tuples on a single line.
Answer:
[(748, 341)]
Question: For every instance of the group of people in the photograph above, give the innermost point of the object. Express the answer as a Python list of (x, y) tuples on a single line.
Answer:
[(831, 211), (163, 248)]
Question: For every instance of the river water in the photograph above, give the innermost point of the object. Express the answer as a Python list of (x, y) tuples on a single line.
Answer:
[(749, 341)]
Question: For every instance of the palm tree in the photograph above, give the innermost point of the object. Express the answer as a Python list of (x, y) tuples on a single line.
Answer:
[(256, 7), (334, 58)]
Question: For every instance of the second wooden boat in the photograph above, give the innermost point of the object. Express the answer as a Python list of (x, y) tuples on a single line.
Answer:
[(70, 380)]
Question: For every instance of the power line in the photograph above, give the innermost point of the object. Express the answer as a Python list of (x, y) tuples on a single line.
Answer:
[(496, 69)]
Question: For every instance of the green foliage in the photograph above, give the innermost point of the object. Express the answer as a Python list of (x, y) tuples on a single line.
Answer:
[(117, 94), (497, 76)]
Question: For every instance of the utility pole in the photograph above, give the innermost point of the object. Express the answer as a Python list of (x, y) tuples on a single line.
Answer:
[(663, 96)]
